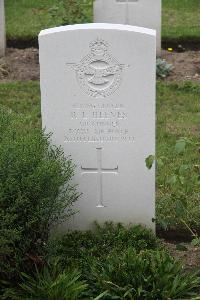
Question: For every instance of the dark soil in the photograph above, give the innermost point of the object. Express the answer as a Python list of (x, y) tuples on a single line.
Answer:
[(186, 65), (190, 257), (174, 235), (23, 43), (22, 64), (189, 44), (175, 241)]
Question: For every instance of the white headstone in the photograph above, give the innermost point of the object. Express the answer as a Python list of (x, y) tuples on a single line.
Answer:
[(98, 100), (144, 13), (2, 29)]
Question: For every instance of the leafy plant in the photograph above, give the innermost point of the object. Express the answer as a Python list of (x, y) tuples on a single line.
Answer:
[(49, 284), (181, 183), (196, 240), (77, 248), (163, 69), (72, 11), (146, 275), (149, 161), (35, 194)]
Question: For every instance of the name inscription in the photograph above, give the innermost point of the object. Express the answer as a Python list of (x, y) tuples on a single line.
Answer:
[(98, 123)]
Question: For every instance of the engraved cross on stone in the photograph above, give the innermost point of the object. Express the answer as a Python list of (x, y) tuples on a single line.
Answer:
[(99, 171), (127, 2)]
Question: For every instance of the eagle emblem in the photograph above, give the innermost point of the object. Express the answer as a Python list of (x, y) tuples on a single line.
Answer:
[(98, 74)]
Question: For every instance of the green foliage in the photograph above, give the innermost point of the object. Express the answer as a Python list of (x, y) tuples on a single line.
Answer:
[(196, 242), (178, 173), (163, 69), (188, 87), (116, 263), (145, 275), (72, 11), (149, 161), (78, 247), (180, 189), (50, 284), (180, 145), (35, 192), (23, 98)]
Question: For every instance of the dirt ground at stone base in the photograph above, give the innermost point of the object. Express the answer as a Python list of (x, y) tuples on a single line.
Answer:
[(190, 256), (186, 65), (23, 65), (20, 65)]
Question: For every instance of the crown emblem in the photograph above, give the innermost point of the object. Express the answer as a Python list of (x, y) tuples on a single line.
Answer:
[(98, 47)]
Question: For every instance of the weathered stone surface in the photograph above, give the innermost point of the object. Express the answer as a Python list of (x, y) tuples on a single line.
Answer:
[(98, 100)]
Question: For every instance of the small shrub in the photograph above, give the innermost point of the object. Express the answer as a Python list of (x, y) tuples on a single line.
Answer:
[(78, 247), (163, 69), (146, 275), (35, 194), (72, 11), (50, 284)]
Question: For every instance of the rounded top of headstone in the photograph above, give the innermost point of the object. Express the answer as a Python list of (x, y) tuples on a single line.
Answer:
[(100, 26)]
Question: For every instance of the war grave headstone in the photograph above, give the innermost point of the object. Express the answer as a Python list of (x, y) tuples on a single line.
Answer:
[(144, 13), (98, 100), (2, 29)]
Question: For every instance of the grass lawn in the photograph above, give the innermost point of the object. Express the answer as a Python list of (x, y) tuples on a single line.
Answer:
[(25, 18), (181, 20), (178, 115), (24, 99)]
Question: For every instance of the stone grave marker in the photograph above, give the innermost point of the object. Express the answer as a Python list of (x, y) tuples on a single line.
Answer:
[(98, 100), (144, 13), (2, 29)]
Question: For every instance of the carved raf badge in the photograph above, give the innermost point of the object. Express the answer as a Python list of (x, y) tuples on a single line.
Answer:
[(98, 73)]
